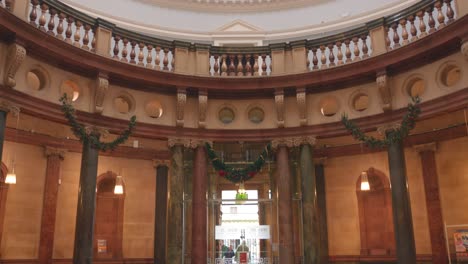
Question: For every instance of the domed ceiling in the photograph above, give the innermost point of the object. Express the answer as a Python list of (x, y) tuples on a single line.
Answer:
[(266, 20)]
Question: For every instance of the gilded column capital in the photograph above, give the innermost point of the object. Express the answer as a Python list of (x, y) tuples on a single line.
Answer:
[(51, 151), (95, 130), (15, 56), (187, 142), (320, 160), (293, 141), (425, 147), (161, 162), (383, 129), (7, 106)]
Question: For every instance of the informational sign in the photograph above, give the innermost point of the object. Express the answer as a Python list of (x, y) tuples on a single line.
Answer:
[(243, 257), (102, 246), (460, 239), (247, 232)]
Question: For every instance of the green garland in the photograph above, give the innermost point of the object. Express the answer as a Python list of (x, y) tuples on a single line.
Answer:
[(236, 175), (397, 135), (80, 131)]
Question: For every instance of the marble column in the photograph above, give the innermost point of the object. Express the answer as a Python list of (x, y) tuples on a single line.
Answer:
[(175, 205), (160, 221), (49, 207), (199, 206), (5, 108), (84, 231), (433, 204), (284, 194), (309, 204), (322, 210), (403, 223)]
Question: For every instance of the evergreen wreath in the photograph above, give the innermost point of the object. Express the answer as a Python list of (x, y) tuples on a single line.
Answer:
[(92, 138), (408, 122), (237, 175)]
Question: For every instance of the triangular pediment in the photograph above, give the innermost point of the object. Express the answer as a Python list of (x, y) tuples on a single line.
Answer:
[(238, 26)]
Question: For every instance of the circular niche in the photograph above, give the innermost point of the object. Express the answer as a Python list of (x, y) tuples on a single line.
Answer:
[(329, 106), (71, 89), (154, 109), (450, 75), (122, 104), (415, 87), (35, 80), (256, 115), (360, 102), (226, 115)]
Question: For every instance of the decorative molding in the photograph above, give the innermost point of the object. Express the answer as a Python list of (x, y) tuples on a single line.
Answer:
[(51, 151), (387, 127), (15, 56), (384, 90), (7, 106), (293, 141), (279, 102), (161, 162), (202, 106), (181, 101), (187, 142), (102, 85), (432, 146), (464, 49), (301, 97)]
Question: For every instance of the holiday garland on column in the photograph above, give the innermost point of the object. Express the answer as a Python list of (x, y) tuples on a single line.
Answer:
[(93, 138), (237, 175), (408, 122)]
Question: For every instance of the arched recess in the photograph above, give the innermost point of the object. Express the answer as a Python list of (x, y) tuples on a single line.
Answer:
[(108, 225), (375, 215), (3, 196)]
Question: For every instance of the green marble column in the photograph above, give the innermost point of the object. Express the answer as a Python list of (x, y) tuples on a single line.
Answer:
[(175, 206), (160, 227), (403, 223), (3, 117), (84, 231), (322, 211), (311, 236)]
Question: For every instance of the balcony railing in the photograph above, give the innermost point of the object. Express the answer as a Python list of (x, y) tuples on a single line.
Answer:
[(82, 30)]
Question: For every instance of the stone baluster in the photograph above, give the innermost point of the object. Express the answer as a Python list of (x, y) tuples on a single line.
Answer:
[(256, 66), (331, 56), (314, 59), (77, 35), (240, 65), (124, 50), (157, 60), (232, 67), (323, 58), (365, 49), (49, 205), (248, 67), (68, 32), (422, 25), (51, 24), (173, 61), (141, 56), (307, 59), (440, 14), (132, 52), (166, 59), (116, 47), (42, 18), (93, 42), (86, 37), (356, 49), (224, 67), (404, 32), (149, 57), (33, 14), (348, 51), (431, 21), (450, 14), (396, 37), (264, 65), (387, 38), (413, 31), (339, 55), (60, 27), (216, 65)]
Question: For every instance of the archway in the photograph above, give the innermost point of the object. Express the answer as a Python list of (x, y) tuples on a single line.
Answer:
[(375, 215), (108, 225), (3, 196)]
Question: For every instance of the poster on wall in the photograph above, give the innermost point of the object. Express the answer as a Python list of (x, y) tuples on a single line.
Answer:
[(102, 246), (460, 239)]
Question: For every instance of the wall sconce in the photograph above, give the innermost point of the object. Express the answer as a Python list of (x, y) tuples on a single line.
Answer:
[(11, 177), (364, 181), (118, 188)]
